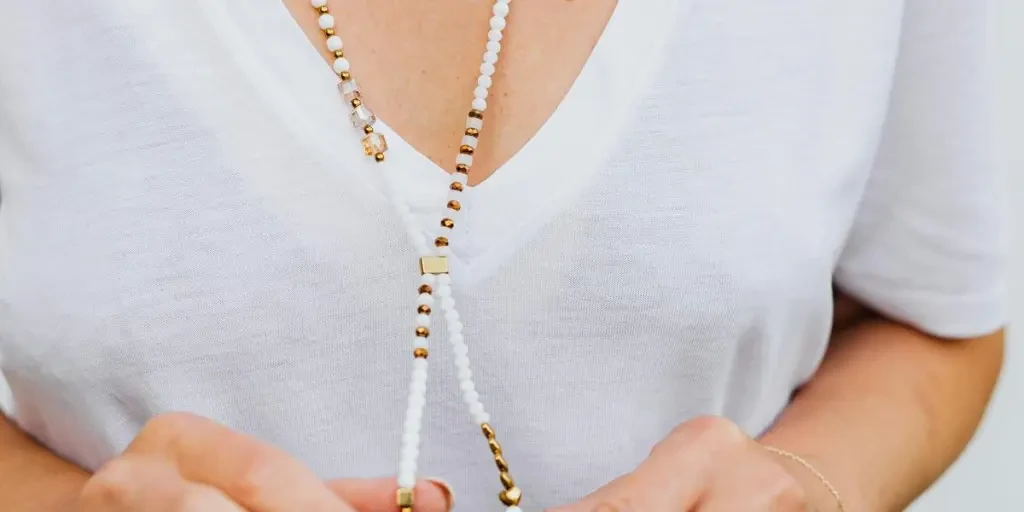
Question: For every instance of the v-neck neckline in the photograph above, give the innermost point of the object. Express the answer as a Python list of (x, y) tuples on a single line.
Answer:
[(536, 182)]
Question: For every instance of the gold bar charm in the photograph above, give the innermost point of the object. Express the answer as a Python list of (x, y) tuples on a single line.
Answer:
[(434, 265)]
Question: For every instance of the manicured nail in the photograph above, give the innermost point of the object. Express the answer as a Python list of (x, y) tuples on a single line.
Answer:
[(449, 494)]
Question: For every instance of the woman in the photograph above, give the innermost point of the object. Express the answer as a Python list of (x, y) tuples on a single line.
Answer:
[(215, 291)]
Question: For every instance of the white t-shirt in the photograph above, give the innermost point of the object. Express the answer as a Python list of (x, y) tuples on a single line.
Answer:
[(188, 223)]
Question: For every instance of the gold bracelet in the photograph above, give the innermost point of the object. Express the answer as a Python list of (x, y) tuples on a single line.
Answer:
[(824, 481)]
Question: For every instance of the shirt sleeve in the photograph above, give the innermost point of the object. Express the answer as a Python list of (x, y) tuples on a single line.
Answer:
[(927, 244)]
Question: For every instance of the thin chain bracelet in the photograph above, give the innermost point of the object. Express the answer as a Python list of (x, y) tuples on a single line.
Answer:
[(807, 465)]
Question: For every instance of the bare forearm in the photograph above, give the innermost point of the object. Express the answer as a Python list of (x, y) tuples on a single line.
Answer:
[(889, 410), (32, 478)]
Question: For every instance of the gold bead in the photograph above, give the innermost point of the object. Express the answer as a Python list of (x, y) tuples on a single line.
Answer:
[(339, 54), (367, 129), (466, 150), (422, 332), (476, 113), (506, 480), (487, 430), (462, 169), (425, 288), (423, 309), (511, 496), (329, 31), (499, 460), (379, 157), (324, 9), (456, 186), (420, 353), (345, 76), (441, 241), (454, 205), (448, 223), (492, 443), (356, 102), (472, 132), (404, 497)]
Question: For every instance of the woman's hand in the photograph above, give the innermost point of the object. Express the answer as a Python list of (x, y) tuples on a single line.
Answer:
[(184, 463), (704, 465)]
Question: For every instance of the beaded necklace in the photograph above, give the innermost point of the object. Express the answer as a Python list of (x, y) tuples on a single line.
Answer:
[(433, 261)]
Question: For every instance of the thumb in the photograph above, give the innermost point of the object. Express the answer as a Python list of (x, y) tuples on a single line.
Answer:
[(378, 494)]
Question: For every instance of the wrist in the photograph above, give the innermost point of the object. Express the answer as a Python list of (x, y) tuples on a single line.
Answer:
[(822, 494)]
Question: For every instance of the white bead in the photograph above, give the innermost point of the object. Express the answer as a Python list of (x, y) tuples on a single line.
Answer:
[(422, 321), (465, 374), (334, 43), (487, 69), (407, 466), (326, 21), (493, 46), (416, 403), (418, 387), (480, 92), (341, 65), (410, 439), (444, 291), (466, 386), (451, 316), (471, 397), (475, 122), (445, 279), (412, 425), (447, 303), (471, 141), (460, 178), (409, 453), (418, 364), (444, 251), (500, 9), (428, 278), (461, 361), (513, 508), (480, 104), (490, 57), (476, 408), (494, 35), (420, 342), (425, 299), (482, 418), (460, 349), (484, 81), (407, 480), (464, 159), (455, 327), (497, 22), (319, 3), (419, 374)]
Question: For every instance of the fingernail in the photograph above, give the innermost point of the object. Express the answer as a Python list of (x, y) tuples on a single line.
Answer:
[(449, 494)]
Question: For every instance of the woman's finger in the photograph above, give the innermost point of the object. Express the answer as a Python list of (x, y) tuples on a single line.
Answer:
[(256, 475), (136, 483), (378, 494)]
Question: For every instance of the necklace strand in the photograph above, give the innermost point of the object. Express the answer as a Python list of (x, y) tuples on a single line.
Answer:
[(433, 260)]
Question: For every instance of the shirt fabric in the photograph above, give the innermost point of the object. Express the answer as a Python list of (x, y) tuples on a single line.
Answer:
[(188, 223)]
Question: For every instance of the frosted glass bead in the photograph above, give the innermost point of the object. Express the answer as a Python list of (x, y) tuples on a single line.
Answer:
[(334, 43), (420, 342), (458, 340), (350, 89), (410, 439), (469, 140), (462, 361), (482, 418), (483, 81), (490, 57), (444, 291), (466, 386), (374, 143), (409, 453), (480, 92), (418, 364), (430, 279), (475, 122), (341, 65), (460, 349), (464, 159), (425, 299), (444, 251), (407, 466), (480, 104), (494, 35), (500, 9), (422, 321), (465, 374), (444, 279), (362, 117), (447, 302), (319, 3), (455, 327), (326, 21), (470, 397), (476, 408), (459, 177), (493, 46), (487, 69), (497, 22)]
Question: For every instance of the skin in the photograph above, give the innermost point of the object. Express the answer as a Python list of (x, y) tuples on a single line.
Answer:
[(887, 412)]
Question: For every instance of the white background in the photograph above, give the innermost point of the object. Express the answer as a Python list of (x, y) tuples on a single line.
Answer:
[(989, 477)]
